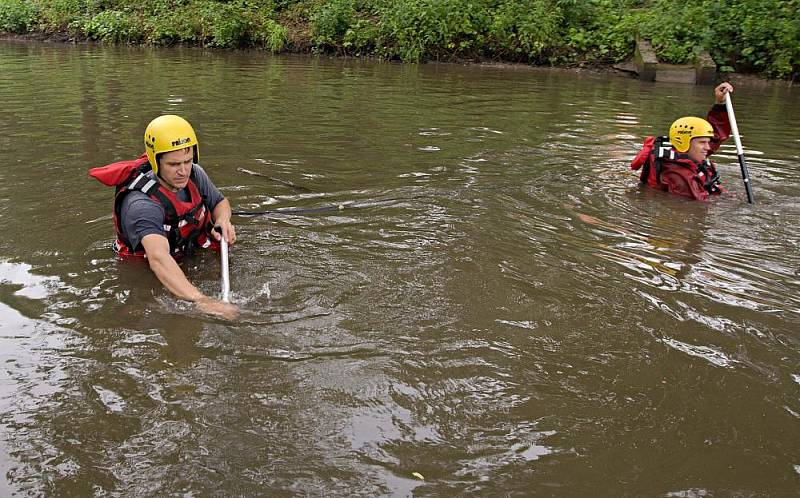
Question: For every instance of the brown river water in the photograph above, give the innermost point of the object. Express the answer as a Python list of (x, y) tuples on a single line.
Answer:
[(484, 304)]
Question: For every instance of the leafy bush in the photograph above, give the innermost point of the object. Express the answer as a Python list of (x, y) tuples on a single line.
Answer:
[(416, 28), (331, 20), (176, 26), (360, 37), (112, 25), (270, 34), (63, 15), (678, 31), (601, 30), (761, 35), (225, 24), (527, 30), (17, 16), (206, 22)]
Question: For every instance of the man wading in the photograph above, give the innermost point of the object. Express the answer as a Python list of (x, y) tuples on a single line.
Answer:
[(165, 207), (680, 165)]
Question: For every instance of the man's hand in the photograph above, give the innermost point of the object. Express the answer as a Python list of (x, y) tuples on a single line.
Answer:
[(218, 308), (222, 219), (227, 230), (173, 278), (721, 90)]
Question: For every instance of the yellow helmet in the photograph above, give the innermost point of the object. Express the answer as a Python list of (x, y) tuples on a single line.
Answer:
[(167, 133), (683, 130)]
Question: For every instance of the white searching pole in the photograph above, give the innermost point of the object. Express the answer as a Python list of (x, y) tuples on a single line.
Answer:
[(226, 283), (739, 151)]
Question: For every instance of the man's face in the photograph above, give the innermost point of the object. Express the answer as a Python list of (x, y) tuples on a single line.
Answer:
[(699, 148), (176, 166)]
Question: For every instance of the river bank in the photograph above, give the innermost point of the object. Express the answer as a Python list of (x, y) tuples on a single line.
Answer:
[(748, 80), (750, 36)]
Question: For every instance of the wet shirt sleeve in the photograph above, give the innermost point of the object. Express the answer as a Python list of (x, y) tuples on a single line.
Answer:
[(207, 189), (718, 117), (140, 215)]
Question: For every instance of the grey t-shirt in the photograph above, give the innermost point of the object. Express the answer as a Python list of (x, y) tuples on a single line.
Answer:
[(140, 215)]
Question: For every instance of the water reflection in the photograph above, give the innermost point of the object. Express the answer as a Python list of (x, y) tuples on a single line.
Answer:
[(30, 285)]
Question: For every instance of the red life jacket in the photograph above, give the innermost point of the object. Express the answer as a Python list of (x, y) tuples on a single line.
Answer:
[(187, 224), (666, 169)]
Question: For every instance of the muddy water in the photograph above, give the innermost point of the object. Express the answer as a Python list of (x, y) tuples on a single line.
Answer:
[(485, 303)]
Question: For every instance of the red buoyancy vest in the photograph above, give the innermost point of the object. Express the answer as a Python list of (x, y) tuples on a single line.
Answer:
[(187, 223), (666, 169)]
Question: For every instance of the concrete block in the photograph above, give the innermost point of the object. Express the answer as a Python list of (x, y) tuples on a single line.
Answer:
[(702, 72), (676, 73), (645, 59), (705, 69)]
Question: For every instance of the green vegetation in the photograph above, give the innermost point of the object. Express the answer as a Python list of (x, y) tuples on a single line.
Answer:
[(748, 35)]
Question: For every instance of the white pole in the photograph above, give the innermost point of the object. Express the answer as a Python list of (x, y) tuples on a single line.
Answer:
[(739, 151), (226, 284)]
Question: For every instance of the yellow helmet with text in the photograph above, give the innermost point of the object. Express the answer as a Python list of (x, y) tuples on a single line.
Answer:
[(167, 133), (683, 130)]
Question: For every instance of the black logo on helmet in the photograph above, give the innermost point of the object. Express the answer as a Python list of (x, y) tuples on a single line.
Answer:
[(181, 141)]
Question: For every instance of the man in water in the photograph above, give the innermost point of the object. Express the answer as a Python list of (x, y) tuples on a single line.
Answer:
[(680, 165), (166, 206)]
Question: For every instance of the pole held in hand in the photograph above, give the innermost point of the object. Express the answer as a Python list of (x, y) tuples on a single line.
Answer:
[(226, 283), (742, 164)]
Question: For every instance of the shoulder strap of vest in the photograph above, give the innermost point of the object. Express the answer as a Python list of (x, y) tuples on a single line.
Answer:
[(661, 148), (192, 177), (143, 183), (137, 180), (170, 217)]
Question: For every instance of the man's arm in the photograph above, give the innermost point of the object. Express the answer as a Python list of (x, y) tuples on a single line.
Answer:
[(718, 116), (173, 278)]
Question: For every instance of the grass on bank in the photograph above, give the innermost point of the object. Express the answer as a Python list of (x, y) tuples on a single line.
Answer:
[(760, 36)]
